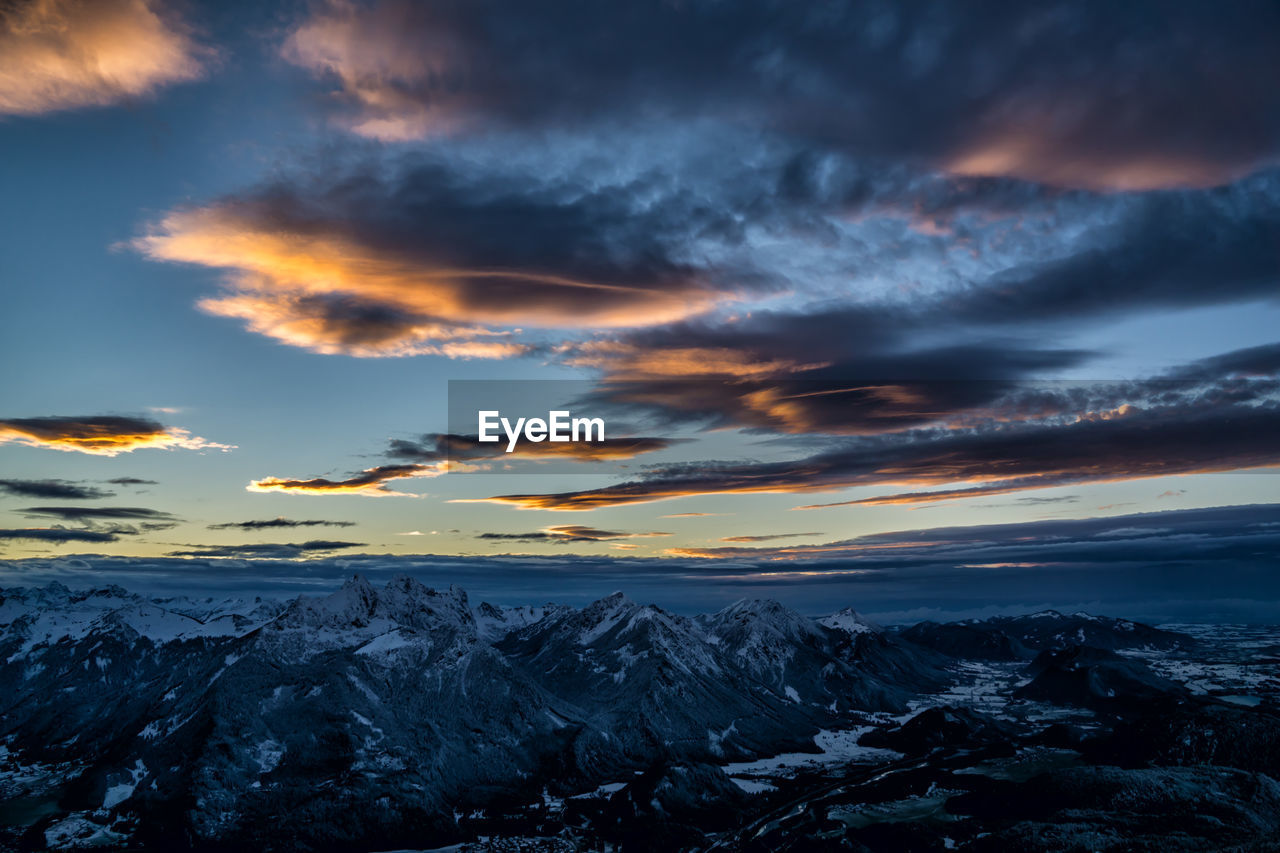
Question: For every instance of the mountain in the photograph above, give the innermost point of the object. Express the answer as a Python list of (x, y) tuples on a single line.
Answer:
[(1011, 638), (397, 713), (1091, 677), (645, 682), (494, 622), (364, 696), (840, 662), (46, 615)]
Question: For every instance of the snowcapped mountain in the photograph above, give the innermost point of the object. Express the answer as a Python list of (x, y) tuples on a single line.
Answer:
[(494, 622), (645, 682), (850, 621), (822, 663), (384, 712), (47, 615)]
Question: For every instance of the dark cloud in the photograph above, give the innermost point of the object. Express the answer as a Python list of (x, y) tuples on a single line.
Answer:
[(132, 481), (57, 534), (52, 489), (103, 435), (1259, 361), (114, 520), (268, 551), (765, 537), (435, 448), (1150, 94), (572, 533), (95, 513), (1034, 500), (263, 524), (1194, 536), (1168, 250), (852, 370), (1126, 443)]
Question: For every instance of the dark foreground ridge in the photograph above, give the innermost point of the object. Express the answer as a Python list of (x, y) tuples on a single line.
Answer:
[(404, 717)]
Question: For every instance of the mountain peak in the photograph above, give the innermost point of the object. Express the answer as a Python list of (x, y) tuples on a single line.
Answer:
[(851, 622), (756, 614)]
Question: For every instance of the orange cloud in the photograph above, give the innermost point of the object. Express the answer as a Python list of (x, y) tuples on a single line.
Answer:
[(627, 361), (370, 482), (579, 531), (105, 435), (328, 287), (63, 54)]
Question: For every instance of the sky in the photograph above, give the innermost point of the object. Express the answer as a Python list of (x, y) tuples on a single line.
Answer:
[(921, 308)]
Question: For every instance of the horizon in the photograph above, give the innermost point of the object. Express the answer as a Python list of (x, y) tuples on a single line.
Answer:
[(875, 591)]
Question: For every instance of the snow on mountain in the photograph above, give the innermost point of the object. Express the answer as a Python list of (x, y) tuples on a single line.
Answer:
[(816, 664), (54, 613), (385, 708), (850, 621), (494, 622)]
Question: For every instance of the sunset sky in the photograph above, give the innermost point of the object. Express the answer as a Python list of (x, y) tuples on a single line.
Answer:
[(920, 308)]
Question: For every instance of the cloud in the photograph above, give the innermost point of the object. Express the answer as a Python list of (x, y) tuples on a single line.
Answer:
[(1159, 441), (332, 324), (89, 513), (52, 489), (1253, 362), (280, 551), (370, 482), (1154, 538), (765, 537), (572, 533), (64, 54), (1068, 94), (132, 481), (847, 371), (456, 451), (1029, 500), (263, 524), (1212, 565), (113, 519), (1163, 250), (428, 258), (435, 454), (101, 435), (694, 514), (57, 535)]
